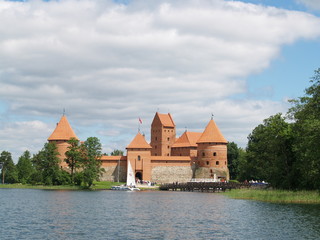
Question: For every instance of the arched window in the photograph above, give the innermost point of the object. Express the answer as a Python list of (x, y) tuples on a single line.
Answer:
[(217, 162), (207, 162), (214, 154), (139, 158), (203, 154)]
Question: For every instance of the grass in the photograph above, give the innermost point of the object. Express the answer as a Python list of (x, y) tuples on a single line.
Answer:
[(276, 196), (96, 186)]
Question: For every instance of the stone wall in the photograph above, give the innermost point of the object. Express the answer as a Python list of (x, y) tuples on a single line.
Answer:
[(204, 172), (169, 174), (111, 173)]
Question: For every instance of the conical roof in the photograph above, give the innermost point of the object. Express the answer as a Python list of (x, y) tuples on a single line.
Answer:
[(212, 134), (63, 131), (139, 142), (187, 139)]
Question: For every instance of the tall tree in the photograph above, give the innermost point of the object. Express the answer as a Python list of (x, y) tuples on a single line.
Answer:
[(90, 161), (73, 156), (233, 156), (9, 172), (306, 113), (24, 167), (269, 154), (47, 164)]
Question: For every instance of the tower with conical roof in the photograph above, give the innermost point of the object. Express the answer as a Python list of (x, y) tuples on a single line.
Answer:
[(139, 155), (163, 134), (61, 134), (212, 153)]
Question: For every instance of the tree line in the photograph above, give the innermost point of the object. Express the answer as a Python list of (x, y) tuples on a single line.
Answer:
[(44, 167), (284, 150)]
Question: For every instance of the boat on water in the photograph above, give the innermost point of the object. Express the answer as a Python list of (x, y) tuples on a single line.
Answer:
[(131, 183)]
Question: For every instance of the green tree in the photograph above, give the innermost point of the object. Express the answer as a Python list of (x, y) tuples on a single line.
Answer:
[(233, 156), (90, 161), (269, 154), (306, 114), (117, 152), (9, 172), (73, 156), (46, 163), (25, 168)]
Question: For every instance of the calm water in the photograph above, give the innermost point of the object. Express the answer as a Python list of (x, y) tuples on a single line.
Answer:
[(43, 214)]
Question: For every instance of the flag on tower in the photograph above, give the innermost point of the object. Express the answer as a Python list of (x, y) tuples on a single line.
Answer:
[(140, 121)]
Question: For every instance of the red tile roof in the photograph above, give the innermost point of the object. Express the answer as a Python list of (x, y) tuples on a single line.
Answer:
[(139, 142), (166, 120), (212, 134), (187, 139), (63, 131)]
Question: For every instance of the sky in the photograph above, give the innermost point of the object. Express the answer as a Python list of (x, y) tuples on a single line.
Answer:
[(108, 63)]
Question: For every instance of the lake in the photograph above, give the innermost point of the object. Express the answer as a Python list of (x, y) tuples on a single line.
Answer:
[(51, 214)]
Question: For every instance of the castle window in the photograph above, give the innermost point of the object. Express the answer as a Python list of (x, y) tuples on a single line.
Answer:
[(225, 163), (217, 162), (155, 154), (203, 154), (168, 139), (214, 154), (168, 147), (156, 138), (207, 162), (139, 158), (168, 154), (210, 170)]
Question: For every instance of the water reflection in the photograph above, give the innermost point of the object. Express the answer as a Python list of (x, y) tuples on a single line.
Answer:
[(37, 214)]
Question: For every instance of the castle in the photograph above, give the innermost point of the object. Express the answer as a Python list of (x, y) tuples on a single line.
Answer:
[(166, 158)]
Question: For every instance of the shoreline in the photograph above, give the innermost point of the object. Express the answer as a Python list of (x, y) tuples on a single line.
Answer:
[(276, 196)]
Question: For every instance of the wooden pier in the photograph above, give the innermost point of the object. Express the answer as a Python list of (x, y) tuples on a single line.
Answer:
[(203, 186)]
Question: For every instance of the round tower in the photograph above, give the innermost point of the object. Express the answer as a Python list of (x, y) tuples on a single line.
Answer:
[(60, 136), (212, 154)]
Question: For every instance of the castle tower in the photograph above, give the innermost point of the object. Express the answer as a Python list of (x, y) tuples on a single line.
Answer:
[(163, 134), (212, 153), (139, 155), (62, 133)]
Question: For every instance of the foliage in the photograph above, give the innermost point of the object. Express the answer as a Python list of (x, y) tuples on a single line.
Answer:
[(9, 172), (233, 156), (90, 162), (46, 163), (287, 155), (306, 113), (73, 156), (25, 168), (117, 152)]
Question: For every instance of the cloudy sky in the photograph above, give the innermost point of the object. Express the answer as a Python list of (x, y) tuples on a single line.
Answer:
[(107, 63)]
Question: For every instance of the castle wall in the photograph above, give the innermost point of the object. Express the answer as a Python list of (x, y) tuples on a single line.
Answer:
[(167, 174), (184, 151), (115, 168)]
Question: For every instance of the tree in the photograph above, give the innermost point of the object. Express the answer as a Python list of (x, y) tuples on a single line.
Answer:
[(117, 152), (269, 154), (90, 161), (46, 163), (73, 156), (233, 156), (306, 114), (9, 172), (25, 168)]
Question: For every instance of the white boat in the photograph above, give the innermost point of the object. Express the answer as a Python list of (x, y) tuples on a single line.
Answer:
[(131, 183)]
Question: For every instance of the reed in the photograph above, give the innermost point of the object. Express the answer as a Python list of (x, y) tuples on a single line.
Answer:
[(276, 196)]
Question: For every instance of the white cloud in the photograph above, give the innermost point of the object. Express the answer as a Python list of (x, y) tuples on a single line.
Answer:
[(107, 63)]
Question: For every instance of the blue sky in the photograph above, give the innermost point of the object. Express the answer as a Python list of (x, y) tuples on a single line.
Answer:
[(109, 63)]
